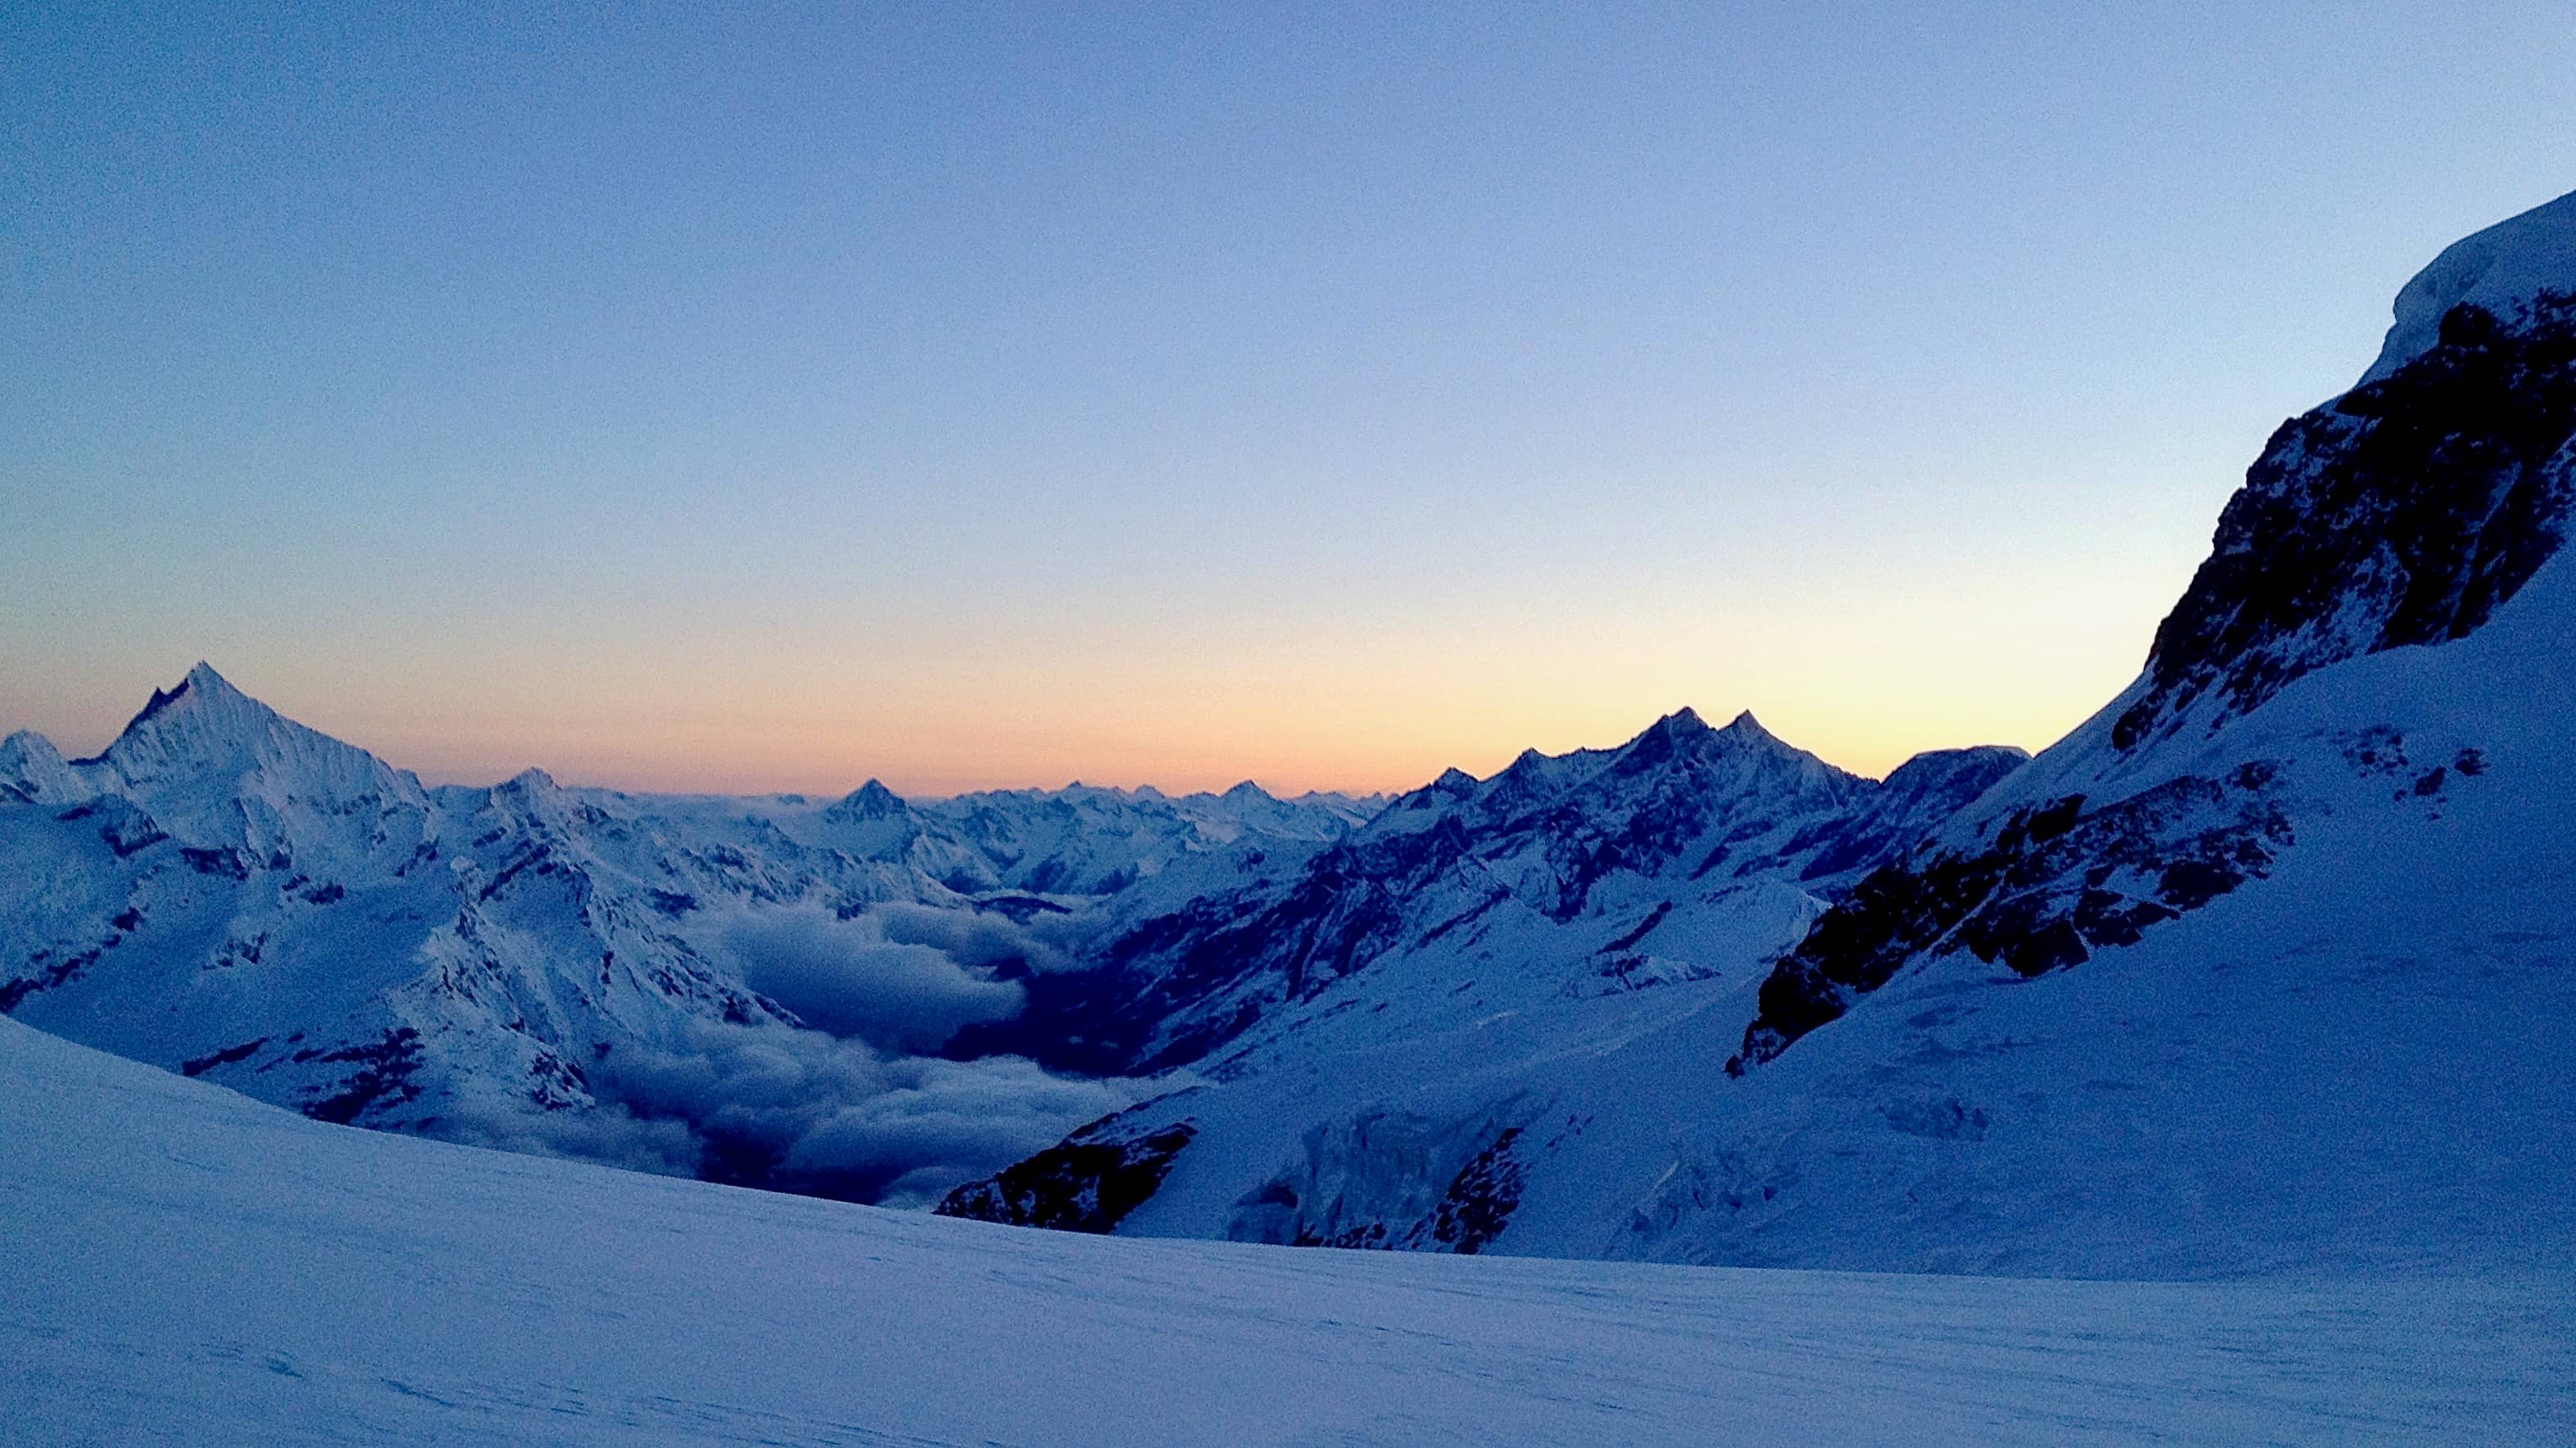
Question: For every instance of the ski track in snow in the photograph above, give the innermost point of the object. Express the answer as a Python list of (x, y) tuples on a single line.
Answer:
[(183, 1265)]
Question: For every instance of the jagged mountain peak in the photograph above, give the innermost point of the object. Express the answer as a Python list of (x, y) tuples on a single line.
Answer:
[(1682, 740), (192, 724), (869, 801), (1680, 744), (1745, 726), (202, 676), (201, 680), (200, 688), (1685, 726), (215, 766)]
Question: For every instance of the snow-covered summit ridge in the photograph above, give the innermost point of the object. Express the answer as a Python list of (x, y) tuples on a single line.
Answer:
[(203, 729), (197, 720), (2500, 269), (222, 771), (1680, 738), (1685, 853)]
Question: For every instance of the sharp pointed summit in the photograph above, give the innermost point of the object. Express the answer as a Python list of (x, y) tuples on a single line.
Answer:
[(870, 801), (195, 722), (202, 675), (218, 768)]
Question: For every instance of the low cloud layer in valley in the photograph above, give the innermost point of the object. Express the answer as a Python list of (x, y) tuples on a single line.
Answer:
[(859, 1106)]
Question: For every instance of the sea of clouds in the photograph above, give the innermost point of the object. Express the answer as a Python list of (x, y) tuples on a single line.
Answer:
[(859, 1105)]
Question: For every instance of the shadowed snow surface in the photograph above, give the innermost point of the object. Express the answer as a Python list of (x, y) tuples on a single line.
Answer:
[(187, 1266)]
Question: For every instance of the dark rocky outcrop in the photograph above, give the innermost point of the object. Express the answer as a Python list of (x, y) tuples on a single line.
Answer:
[(51, 968), (200, 1065), (2055, 884), (385, 1067), (1086, 1183), (1480, 1200), (2404, 512)]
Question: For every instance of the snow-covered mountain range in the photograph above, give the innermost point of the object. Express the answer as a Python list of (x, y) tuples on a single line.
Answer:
[(865, 997), (1684, 854), (2260, 968), (226, 893)]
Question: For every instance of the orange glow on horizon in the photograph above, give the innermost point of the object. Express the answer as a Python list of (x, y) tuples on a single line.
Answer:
[(1862, 679)]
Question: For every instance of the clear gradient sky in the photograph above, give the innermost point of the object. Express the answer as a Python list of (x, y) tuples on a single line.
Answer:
[(747, 398)]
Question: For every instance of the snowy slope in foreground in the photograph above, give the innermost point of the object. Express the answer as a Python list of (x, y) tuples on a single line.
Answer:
[(187, 1266)]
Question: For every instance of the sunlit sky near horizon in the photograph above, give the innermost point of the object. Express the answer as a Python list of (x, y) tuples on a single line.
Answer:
[(752, 398)]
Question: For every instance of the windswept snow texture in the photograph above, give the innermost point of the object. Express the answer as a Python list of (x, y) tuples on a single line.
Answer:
[(2497, 270), (188, 1267)]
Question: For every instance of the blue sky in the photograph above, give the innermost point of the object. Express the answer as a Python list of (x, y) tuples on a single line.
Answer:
[(748, 397)]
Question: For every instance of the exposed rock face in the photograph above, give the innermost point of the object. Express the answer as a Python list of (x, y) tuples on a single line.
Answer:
[(1083, 1184), (2056, 884), (2401, 513)]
